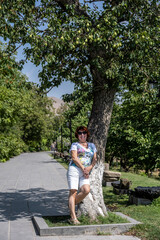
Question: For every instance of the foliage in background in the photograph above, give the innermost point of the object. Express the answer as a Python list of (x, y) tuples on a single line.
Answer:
[(134, 130), (74, 113), (25, 116), (79, 109), (134, 135)]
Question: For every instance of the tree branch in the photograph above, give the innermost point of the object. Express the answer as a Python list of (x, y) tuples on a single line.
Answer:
[(14, 50), (76, 3), (45, 92), (90, 1), (142, 70)]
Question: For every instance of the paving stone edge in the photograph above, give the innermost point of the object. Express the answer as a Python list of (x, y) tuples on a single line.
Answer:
[(112, 229)]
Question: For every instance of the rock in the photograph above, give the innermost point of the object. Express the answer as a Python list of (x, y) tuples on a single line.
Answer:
[(57, 154), (106, 167), (111, 174), (116, 184), (66, 157), (120, 191), (109, 177), (138, 201), (147, 192), (122, 186), (125, 183)]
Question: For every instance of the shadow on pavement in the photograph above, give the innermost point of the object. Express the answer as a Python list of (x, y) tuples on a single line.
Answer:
[(34, 201)]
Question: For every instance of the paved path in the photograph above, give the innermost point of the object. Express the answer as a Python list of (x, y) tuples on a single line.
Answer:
[(34, 184)]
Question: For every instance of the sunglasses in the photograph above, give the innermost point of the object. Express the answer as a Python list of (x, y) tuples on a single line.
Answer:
[(80, 133)]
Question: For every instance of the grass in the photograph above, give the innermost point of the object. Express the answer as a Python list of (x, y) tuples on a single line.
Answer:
[(149, 215), (138, 180), (62, 162), (59, 221)]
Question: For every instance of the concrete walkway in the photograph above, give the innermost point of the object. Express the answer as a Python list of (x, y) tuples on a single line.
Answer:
[(34, 184)]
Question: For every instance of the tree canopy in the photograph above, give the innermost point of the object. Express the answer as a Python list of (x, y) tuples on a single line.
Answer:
[(69, 39)]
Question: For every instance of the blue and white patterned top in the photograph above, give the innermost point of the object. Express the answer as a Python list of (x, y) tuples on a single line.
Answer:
[(85, 155)]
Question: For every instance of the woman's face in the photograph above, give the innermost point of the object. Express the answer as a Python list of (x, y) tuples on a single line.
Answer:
[(82, 136)]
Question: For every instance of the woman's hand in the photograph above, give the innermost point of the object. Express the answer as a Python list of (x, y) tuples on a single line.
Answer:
[(86, 171)]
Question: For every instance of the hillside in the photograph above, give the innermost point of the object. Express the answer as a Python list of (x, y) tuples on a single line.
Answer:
[(57, 103)]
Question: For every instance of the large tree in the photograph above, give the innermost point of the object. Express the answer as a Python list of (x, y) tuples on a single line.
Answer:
[(102, 48)]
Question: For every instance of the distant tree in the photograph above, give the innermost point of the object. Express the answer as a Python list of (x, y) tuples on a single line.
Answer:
[(134, 135), (25, 116), (117, 45), (79, 107)]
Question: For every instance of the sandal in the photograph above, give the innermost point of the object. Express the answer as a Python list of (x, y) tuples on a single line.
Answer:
[(74, 221)]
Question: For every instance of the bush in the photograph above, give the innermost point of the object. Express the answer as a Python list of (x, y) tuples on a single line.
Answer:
[(11, 145)]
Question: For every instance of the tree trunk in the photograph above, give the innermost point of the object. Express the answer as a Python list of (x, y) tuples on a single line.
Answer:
[(98, 126)]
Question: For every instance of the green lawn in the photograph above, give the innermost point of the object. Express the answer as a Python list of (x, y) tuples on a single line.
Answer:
[(149, 215), (62, 162), (138, 180), (84, 220)]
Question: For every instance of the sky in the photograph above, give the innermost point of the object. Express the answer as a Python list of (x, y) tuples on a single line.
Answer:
[(31, 71)]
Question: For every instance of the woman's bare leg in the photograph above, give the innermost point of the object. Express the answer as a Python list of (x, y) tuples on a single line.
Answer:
[(85, 189), (72, 201), (75, 198)]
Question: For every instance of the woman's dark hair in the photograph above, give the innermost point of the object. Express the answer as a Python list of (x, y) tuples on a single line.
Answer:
[(82, 128)]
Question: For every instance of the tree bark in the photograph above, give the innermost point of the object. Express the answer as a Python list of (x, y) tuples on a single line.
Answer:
[(93, 205)]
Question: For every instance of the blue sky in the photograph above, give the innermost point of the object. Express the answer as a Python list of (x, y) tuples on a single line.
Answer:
[(31, 71)]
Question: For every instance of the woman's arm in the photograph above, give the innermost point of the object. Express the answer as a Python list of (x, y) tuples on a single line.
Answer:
[(94, 160), (76, 160)]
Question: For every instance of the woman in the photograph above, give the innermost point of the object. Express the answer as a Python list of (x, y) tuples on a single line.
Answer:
[(83, 155)]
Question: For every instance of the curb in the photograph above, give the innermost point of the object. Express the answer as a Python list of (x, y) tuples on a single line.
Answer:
[(111, 229)]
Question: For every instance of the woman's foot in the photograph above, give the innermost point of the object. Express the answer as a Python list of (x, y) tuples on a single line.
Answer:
[(73, 221)]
